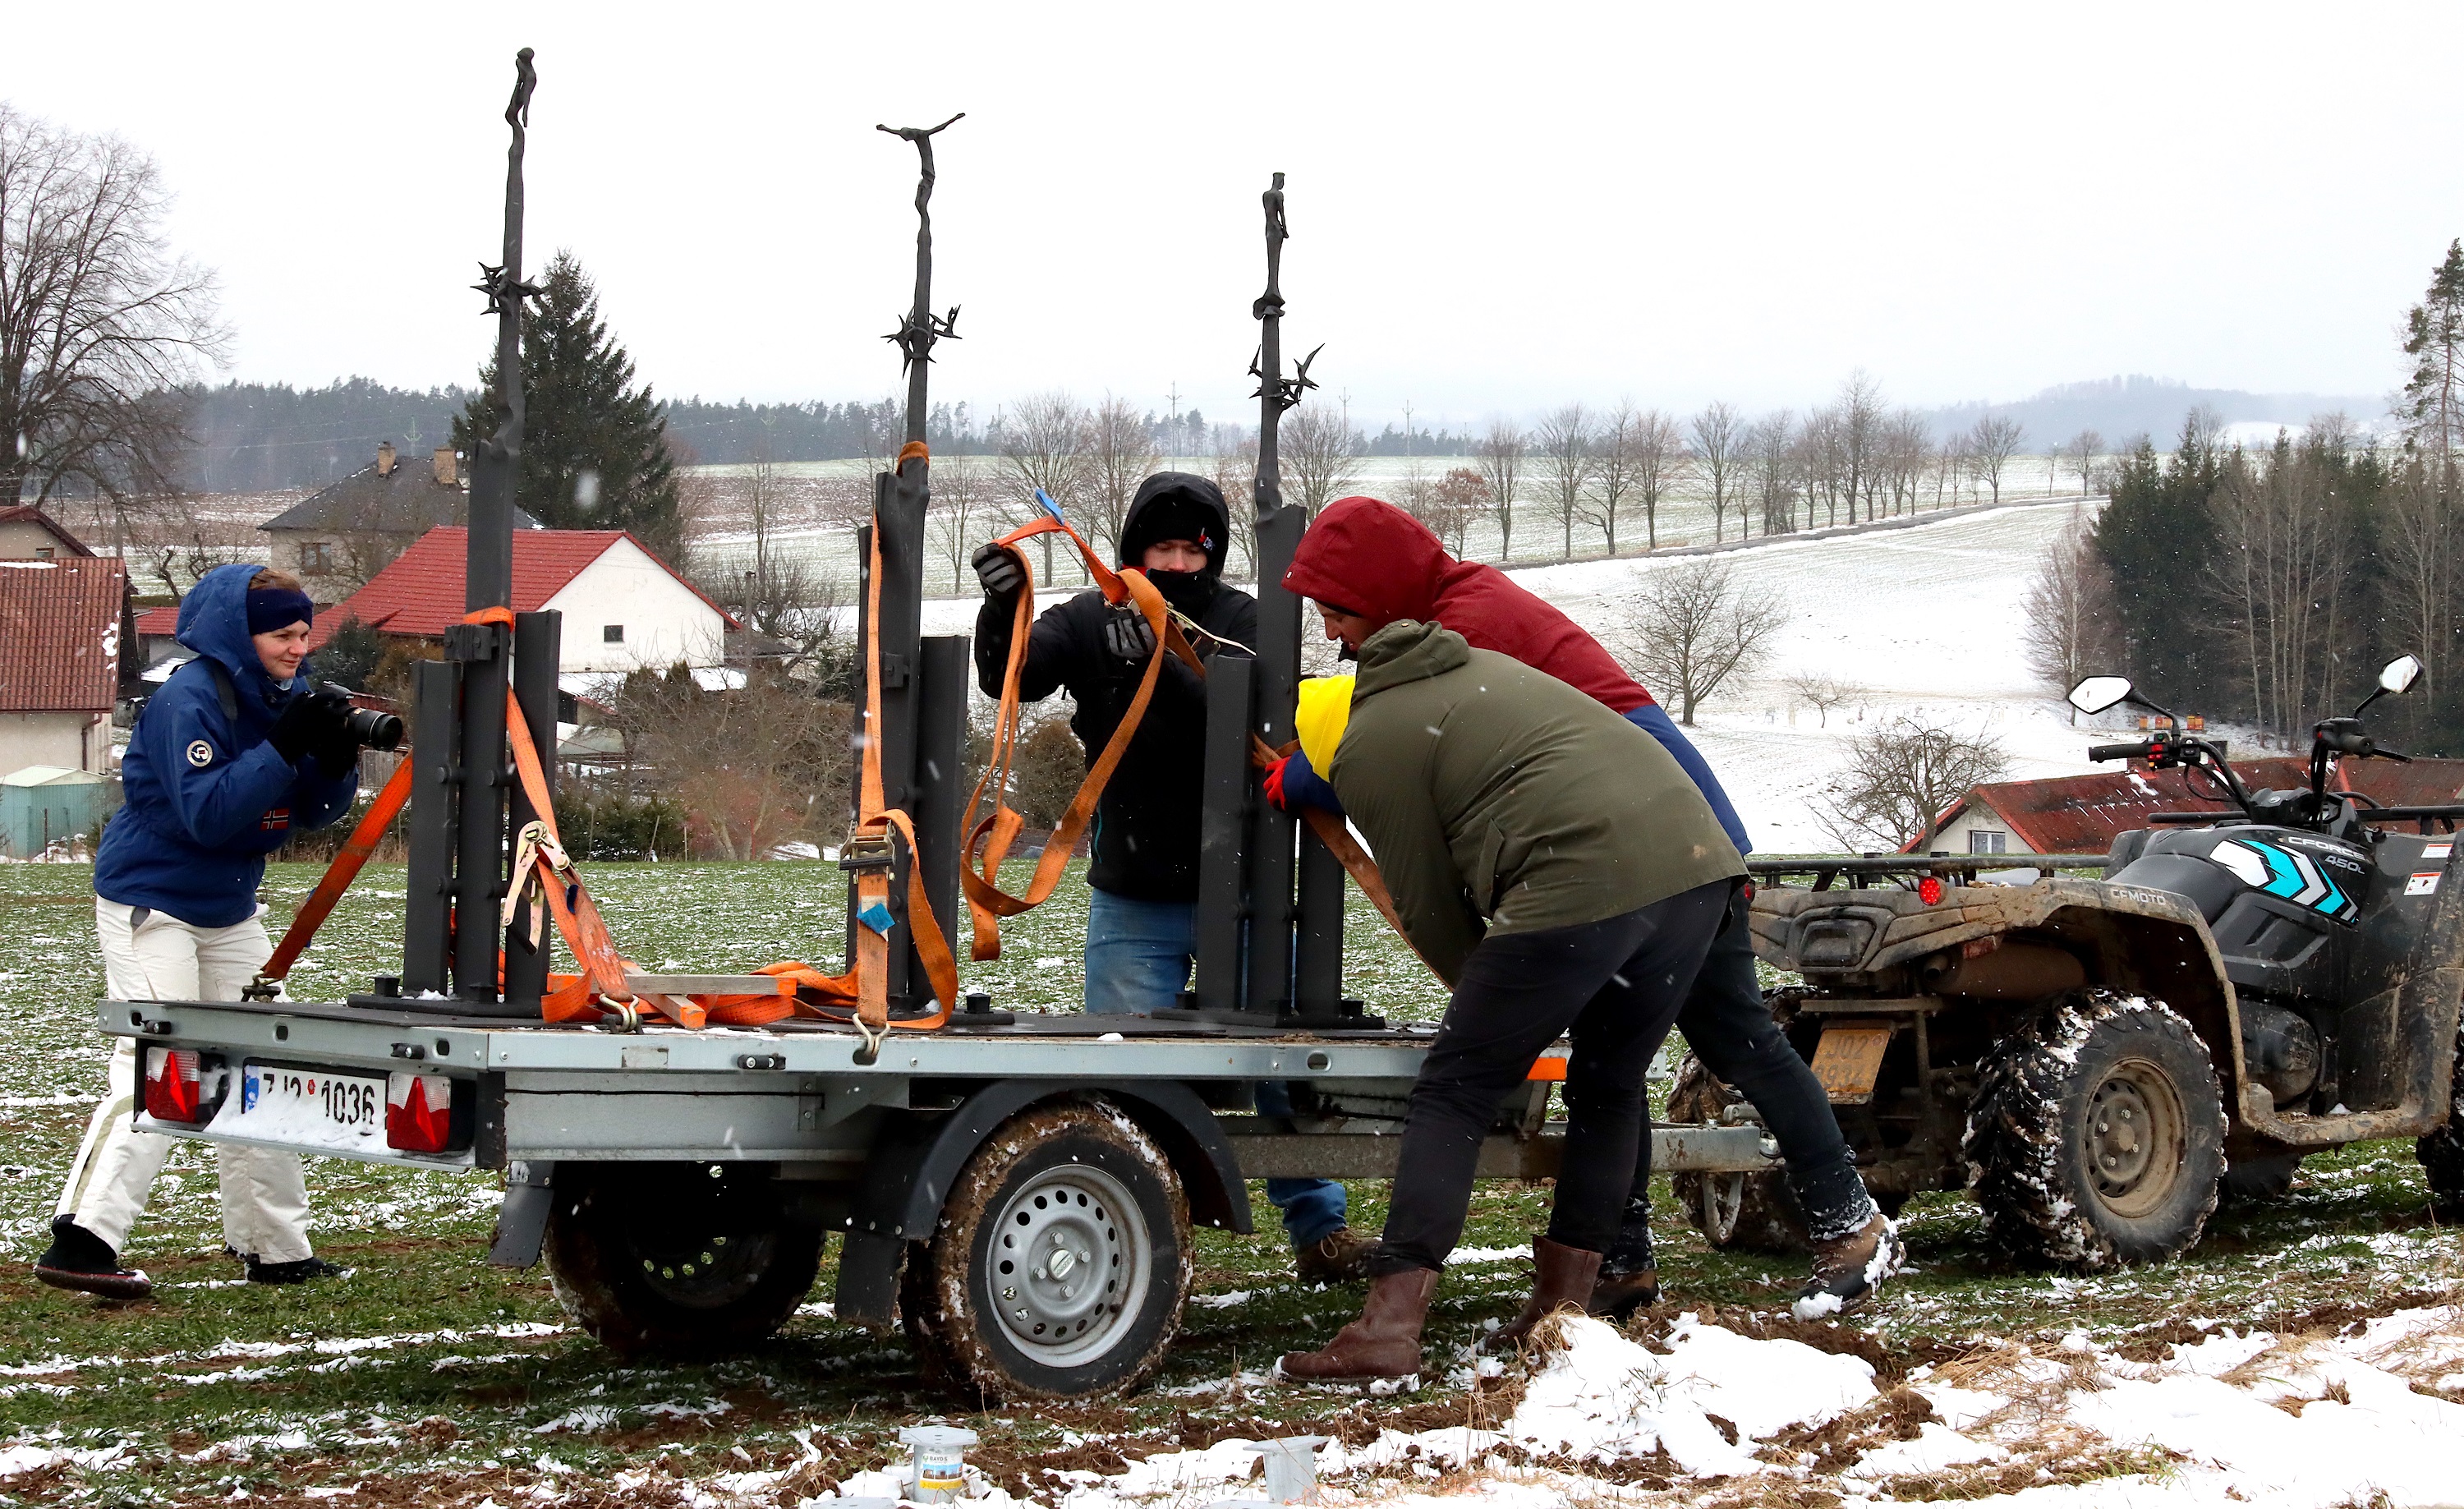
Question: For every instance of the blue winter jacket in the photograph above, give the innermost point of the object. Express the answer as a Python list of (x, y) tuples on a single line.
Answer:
[(207, 798)]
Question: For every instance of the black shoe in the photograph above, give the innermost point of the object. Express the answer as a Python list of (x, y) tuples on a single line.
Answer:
[(297, 1273), (79, 1259)]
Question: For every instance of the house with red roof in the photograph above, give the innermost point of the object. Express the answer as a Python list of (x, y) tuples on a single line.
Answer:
[(623, 608), (26, 533), (2082, 814), (59, 660)]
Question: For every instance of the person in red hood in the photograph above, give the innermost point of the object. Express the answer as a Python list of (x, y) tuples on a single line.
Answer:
[(1367, 564)]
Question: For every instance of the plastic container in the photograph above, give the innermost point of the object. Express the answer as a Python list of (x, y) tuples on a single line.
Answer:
[(940, 1475)]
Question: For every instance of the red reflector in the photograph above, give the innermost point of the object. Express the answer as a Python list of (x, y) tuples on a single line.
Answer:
[(419, 1113), (173, 1092), (1929, 889)]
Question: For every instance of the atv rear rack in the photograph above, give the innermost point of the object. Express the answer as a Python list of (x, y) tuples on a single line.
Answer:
[(2450, 814), (1860, 869)]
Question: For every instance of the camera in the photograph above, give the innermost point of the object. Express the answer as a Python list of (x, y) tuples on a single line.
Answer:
[(367, 728)]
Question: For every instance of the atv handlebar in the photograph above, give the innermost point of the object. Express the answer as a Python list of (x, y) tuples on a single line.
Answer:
[(2138, 751)]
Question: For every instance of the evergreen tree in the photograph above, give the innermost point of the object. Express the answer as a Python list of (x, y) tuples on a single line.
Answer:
[(2157, 538), (2433, 405), (594, 444)]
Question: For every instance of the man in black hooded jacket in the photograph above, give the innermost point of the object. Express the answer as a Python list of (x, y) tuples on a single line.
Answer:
[(1141, 914)]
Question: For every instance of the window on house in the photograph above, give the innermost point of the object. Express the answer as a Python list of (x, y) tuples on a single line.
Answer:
[(43, 552), (612, 633), (1987, 841), (317, 555)]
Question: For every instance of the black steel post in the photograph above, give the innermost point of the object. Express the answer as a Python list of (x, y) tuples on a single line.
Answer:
[(435, 733), (537, 645), (1222, 821), (482, 652), (942, 783)]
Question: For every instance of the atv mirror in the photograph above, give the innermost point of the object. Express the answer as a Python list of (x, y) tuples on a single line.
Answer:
[(2097, 693), (2400, 673)]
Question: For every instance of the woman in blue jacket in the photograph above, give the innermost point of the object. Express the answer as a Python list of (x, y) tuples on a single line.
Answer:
[(232, 756)]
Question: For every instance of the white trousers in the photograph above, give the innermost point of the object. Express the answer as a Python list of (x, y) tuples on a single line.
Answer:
[(265, 1195)]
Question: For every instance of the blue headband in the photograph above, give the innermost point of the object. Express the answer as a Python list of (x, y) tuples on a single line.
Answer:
[(278, 607)]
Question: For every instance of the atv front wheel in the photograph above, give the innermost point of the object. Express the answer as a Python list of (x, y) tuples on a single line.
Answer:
[(2096, 1135), (1754, 1211), (686, 1259)]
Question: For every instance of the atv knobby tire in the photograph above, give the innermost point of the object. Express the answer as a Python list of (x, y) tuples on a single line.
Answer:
[(1753, 1211), (675, 1259), (2096, 1135), (2442, 1152), (1060, 1262)]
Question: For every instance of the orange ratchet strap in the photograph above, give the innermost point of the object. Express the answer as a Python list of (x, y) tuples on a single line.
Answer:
[(336, 879)]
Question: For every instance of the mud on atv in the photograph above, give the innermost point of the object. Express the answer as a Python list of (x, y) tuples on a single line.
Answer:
[(2099, 1059)]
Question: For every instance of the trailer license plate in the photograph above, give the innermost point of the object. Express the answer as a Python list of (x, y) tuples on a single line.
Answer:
[(311, 1106)]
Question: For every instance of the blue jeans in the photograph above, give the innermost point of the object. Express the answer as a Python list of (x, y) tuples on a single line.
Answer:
[(1138, 957)]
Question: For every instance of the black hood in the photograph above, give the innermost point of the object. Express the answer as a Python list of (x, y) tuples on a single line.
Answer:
[(1176, 505)]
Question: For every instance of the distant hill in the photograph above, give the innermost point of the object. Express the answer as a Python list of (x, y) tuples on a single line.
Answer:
[(2121, 409), (256, 437)]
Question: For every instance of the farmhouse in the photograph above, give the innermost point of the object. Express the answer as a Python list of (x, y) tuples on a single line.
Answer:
[(26, 533), (59, 660), (623, 608), (339, 538), (2076, 815)]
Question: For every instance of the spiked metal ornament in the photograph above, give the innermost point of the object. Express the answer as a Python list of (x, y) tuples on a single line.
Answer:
[(503, 293), (915, 341), (1287, 389)]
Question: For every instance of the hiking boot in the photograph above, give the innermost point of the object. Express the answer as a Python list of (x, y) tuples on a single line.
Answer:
[(1562, 1277), (1384, 1342), (79, 1259), (1339, 1257), (292, 1273), (1848, 1269), (1619, 1296)]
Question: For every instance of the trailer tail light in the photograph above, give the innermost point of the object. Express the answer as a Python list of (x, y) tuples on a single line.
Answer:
[(1930, 890), (174, 1086), (419, 1113)]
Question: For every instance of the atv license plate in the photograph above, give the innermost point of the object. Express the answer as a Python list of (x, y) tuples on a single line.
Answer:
[(1849, 1059), (310, 1107)]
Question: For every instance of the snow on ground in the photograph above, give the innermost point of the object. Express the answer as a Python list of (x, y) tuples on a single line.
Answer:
[(1928, 619)]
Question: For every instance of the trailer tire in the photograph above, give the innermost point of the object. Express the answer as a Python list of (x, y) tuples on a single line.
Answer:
[(2096, 1135), (676, 1259), (1006, 1302), (1748, 1211)]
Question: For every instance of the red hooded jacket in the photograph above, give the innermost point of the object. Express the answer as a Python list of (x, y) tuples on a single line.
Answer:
[(1372, 559)]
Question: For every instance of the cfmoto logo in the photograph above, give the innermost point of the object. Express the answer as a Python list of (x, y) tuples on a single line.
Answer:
[(2287, 873)]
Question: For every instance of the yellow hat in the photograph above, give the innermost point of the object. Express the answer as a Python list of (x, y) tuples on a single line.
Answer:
[(1325, 707)]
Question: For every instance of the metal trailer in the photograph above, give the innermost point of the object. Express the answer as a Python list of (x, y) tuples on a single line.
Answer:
[(1018, 1192)]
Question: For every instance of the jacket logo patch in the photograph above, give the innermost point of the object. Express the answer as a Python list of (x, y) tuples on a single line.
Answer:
[(200, 754), (275, 820)]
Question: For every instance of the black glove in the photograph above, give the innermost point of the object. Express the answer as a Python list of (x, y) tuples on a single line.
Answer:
[(999, 571), (1127, 636), (305, 723), (337, 750)]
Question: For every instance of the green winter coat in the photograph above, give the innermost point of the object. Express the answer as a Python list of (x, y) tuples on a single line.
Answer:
[(1496, 797)]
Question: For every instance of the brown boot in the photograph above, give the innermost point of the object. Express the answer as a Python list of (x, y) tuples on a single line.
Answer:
[(1848, 1269), (1619, 1296), (1339, 1257), (1384, 1342), (1565, 1279)]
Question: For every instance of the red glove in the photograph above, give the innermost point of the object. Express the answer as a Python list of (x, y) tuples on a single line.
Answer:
[(1274, 784)]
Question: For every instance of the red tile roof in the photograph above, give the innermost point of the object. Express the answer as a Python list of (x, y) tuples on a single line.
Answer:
[(2075, 814), (420, 594), (159, 622), (31, 514), (59, 634)]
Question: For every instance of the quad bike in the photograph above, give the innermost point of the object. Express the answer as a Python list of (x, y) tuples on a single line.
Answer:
[(2099, 1059)]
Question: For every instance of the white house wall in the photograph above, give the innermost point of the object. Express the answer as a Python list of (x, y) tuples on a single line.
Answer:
[(665, 621), (71, 741)]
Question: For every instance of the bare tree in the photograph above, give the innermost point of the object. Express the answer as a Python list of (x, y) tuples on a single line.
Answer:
[(1901, 777), (1822, 691), (1044, 444), (2070, 631), (1770, 460), (1501, 467), (183, 538), (1563, 446), (1860, 436), (1659, 467), (1613, 467), (1320, 453), (1690, 627), (1450, 503), (1120, 454), (1234, 467), (2283, 551), (754, 767), (1906, 452), (100, 326), (961, 515), (1992, 443), (1820, 463), (2081, 450), (2419, 534), (1719, 456)]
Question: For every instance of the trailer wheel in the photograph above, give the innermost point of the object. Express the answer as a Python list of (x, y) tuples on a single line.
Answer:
[(1754, 1211), (2442, 1152), (687, 1259), (1060, 1262), (2096, 1135)]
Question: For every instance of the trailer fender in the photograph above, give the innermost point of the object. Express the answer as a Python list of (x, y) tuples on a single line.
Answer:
[(521, 1221), (918, 1158)]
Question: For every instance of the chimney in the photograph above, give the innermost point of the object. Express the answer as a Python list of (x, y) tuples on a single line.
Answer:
[(444, 460), (384, 459)]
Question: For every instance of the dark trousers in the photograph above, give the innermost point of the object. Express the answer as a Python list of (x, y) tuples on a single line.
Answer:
[(1730, 1030), (1614, 986)]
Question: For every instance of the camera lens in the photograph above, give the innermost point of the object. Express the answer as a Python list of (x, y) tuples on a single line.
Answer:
[(375, 730)]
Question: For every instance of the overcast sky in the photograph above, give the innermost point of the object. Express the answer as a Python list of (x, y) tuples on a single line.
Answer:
[(1494, 208)]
